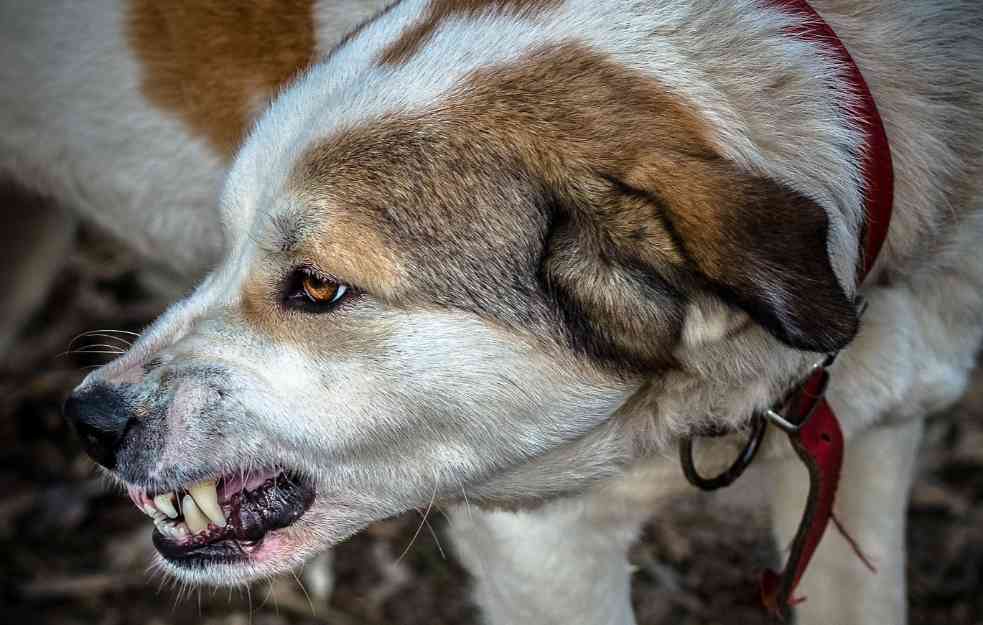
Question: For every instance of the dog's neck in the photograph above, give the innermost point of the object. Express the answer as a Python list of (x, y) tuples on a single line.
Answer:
[(877, 167)]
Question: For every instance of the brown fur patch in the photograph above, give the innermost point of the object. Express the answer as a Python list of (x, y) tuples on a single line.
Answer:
[(214, 63), (439, 10), (478, 228), (596, 216)]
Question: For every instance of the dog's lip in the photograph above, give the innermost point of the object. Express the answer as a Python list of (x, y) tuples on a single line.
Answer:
[(244, 509), (222, 550)]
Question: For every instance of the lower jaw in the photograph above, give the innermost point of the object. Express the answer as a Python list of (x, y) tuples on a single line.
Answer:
[(280, 551), (229, 551), (228, 565)]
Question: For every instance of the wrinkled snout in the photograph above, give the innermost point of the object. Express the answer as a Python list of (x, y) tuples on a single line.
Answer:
[(101, 416)]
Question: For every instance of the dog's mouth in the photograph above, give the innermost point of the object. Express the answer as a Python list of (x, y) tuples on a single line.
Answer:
[(224, 520)]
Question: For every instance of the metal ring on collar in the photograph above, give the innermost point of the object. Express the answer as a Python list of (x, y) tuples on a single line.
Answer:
[(740, 464)]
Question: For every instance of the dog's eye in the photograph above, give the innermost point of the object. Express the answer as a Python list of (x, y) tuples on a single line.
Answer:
[(315, 293), (320, 291)]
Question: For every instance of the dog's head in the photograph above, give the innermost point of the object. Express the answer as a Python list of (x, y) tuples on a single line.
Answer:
[(505, 292)]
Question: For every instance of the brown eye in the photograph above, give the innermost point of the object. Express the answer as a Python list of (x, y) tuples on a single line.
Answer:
[(320, 291), (313, 293)]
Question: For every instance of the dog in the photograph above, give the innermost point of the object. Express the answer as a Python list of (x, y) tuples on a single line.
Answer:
[(502, 255)]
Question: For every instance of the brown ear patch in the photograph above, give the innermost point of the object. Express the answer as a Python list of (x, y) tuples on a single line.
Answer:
[(757, 244), (214, 63), (439, 10)]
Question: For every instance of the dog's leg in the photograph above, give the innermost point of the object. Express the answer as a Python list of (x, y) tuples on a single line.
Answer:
[(34, 240), (563, 564), (871, 504)]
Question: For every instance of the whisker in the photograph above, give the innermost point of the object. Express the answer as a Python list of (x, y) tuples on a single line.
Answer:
[(96, 332), (436, 540), (467, 504), (412, 540), (86, 348), (419, 528), (304, 590), (89, 349), (125, 343), (63, 354), (269, 593), (135, 334)]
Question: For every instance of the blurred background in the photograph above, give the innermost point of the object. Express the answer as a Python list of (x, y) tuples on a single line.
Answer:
[(73, 550)]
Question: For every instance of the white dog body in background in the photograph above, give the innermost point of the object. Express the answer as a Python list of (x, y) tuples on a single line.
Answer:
[(81, 126), (561, 234)]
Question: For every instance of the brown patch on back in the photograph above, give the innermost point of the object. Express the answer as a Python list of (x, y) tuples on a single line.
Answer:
[(439, 10), (214, 63)]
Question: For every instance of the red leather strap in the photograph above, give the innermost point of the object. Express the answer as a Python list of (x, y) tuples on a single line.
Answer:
[(877, 166), (819, 444)]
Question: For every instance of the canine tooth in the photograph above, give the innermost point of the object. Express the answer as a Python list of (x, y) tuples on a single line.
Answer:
[(165, 504), (192, 515), (206, 496), (171, 529), (176, 531), (152, 512)]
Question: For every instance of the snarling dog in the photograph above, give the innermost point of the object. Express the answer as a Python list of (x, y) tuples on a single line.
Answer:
[(508, 252)]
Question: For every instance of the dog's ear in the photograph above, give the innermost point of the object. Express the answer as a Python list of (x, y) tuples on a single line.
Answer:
[(674, 223)]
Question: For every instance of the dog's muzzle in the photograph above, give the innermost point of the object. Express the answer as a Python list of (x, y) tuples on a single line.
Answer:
[(211, 518)]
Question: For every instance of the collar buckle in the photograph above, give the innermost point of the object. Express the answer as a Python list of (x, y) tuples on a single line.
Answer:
[(803, 400)]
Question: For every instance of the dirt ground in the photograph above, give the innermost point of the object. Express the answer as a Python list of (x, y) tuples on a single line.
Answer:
[(74, 551)]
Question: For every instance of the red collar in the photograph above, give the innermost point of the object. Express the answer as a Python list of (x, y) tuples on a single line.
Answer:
[(805, 416), (877, 168)]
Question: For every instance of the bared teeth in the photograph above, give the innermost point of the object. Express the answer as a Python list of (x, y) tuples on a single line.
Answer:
[(152, 512), (194, 518), (165, 503), (171, 529), (206, 498)]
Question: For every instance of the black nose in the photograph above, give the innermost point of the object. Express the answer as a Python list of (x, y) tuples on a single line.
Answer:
[(100, 416)]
